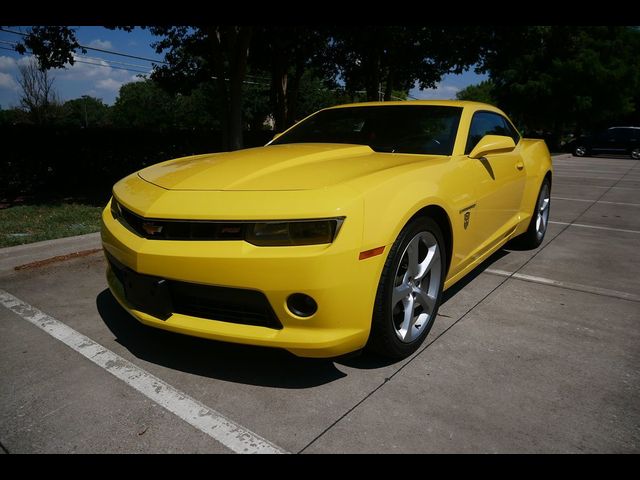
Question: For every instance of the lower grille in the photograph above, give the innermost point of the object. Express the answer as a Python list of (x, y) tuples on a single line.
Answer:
[(234, 305)]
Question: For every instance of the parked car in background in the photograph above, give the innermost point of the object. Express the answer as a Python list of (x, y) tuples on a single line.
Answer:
[(621, 140)]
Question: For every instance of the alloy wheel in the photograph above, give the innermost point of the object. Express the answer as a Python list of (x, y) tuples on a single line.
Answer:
[(415, 291), (542, 211)]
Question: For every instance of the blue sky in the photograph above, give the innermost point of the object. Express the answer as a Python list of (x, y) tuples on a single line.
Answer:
[(104, 76)]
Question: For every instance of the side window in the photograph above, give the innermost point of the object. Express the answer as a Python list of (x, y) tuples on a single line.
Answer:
[(487, 123), (513, 133)]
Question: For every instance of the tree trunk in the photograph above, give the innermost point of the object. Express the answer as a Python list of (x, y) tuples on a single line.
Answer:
[(239, 50), (279, 89), (388, 90), (215, 35), (238, 40), (373, 78), (292, 95)]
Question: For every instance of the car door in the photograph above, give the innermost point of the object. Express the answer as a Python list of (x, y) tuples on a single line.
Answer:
[(609, 141), (499, 181)]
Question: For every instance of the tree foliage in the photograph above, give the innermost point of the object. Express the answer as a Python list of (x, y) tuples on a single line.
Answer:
[(565, 77), (53, 46), (480, 92), (380, 59), (287, 52), (197, 55), (85, 112)]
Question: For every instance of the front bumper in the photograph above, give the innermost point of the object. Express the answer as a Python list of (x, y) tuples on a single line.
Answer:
[(343, 286)]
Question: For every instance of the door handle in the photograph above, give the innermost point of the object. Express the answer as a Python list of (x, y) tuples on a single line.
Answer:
[(519, 165)]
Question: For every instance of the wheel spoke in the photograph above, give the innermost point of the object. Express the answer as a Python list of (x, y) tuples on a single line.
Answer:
[(399, 293), (538, 222), (407, 321), (412, 257), (427, 302), (545, 205), (433, 255)]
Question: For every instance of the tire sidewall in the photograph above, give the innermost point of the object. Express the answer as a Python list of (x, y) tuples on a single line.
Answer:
[(531, 236), (383, 329)]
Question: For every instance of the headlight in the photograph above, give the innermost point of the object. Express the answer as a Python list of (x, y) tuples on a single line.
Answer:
[(296, 232)]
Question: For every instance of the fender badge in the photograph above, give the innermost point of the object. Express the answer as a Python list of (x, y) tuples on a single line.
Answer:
[(467, 216)]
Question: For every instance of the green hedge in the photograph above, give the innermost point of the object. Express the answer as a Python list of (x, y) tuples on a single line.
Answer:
[(61, 162)]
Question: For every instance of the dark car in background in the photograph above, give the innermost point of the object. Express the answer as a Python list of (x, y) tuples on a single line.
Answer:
[(615, 140)]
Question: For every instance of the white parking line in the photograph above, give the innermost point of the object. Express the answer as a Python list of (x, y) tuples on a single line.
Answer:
[(597, 227), (568, 285), (233, 436), (553, 197), (555, 185)]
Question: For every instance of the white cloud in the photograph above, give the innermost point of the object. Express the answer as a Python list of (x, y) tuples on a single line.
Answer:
[(7, 63), (7, 81), (26, 60), (104, 44), (441, 92), (109, 84)]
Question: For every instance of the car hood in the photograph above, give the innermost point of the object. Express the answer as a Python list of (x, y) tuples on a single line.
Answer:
[(273, 168)]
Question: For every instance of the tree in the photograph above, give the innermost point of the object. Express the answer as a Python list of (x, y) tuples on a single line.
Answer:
[(480, 92), (144, 105), (381, 59), (38, 96), (85, 111), (563, 78), (53, 46), (198, 55), (287, 52)]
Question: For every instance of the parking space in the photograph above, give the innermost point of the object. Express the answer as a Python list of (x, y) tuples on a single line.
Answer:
[(536, 351)]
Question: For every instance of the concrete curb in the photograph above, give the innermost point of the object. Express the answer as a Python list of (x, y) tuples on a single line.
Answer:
[(11, 257), (561, 156)]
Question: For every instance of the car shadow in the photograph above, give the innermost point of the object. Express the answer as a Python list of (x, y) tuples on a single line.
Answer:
[(252, 365), (237, 363)]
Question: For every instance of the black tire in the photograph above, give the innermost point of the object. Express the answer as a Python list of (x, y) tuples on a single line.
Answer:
[(635, 153), (580, 151), (532, 238), (384, 338)]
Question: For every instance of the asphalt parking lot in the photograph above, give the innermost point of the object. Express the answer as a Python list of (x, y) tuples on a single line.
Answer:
[(537, 351)]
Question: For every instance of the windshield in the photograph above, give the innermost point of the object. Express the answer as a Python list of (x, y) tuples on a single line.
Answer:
[(423, 129)]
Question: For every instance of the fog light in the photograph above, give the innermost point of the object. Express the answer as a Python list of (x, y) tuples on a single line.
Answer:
[(302, 305)]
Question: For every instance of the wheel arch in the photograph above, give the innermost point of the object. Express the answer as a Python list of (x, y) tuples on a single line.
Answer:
[(441, 217)]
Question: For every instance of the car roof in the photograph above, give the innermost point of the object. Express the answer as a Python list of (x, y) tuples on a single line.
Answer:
[(442, 103), (635, 128)]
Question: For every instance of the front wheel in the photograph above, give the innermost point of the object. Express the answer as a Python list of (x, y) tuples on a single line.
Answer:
[(410, 290), (635, 153)]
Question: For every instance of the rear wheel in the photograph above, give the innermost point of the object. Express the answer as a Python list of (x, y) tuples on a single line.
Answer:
[(534, 235), (410, 290), (580, 151), (635, 153)]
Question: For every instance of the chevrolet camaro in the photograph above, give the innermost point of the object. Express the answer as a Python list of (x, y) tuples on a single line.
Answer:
[(341, 233)]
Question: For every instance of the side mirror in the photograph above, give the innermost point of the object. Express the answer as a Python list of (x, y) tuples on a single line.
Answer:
[(492, 144)]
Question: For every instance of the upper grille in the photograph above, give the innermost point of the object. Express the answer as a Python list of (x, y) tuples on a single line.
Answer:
[(159, 229)]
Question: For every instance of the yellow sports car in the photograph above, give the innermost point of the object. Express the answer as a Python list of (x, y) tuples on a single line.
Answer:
[(339, 234)]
